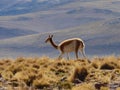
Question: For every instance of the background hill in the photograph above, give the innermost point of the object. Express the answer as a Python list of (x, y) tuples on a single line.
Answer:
[(70, 13), (103, 42), (9, 33), (26, 23)]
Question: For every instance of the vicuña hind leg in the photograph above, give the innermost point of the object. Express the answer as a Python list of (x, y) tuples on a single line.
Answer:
[(76, 53), (83, 53), (67, 56), (60, 56)]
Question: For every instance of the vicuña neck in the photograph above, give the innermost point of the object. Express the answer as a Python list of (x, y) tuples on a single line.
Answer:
[(53, 44)]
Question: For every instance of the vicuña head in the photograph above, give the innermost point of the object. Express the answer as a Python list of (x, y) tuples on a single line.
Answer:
[(67, 46)]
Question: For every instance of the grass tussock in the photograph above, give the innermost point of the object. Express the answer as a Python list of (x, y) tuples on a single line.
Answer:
[(84, 86), (79, 74), (45, 73)]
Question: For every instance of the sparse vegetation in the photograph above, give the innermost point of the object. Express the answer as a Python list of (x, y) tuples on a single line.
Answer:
[(46, 73)]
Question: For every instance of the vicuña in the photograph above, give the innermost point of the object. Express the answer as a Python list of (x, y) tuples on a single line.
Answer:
[(67, 46)]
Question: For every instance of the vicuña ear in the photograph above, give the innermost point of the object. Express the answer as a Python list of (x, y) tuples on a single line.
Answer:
[(51, 36)]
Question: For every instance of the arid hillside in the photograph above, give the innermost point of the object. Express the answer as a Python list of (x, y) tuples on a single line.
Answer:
[(98, 73)]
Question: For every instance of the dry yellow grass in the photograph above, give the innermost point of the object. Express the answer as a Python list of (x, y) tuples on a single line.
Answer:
[(46, 73), (84, 86)]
